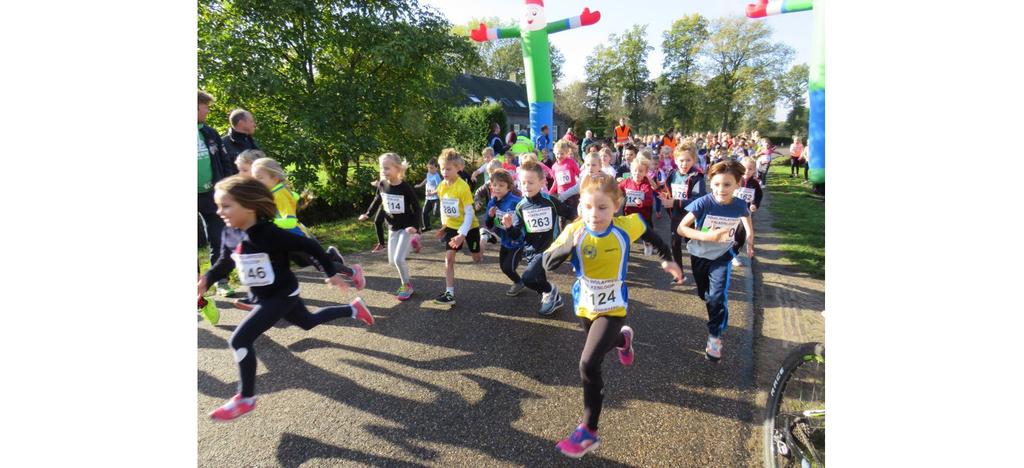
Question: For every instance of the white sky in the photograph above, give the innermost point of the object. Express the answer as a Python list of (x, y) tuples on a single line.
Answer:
[(617, 16)]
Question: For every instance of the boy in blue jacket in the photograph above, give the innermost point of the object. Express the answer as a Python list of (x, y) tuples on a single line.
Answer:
[(503, 201)]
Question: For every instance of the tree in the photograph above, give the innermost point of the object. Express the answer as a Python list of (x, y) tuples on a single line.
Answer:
[(632, 75), (601, 69), (739, 54), (572, 102), (793, 88), (334, 83), (680, 93)]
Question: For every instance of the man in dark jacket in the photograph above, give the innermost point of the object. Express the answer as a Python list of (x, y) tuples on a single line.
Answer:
[(239, 136), (214, 165), (494, 140)]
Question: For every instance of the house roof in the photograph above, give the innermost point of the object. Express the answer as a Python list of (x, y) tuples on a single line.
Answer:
[(480, 89)]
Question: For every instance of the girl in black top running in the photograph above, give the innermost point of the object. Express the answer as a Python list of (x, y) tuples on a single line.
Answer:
[(262, 258), (397, 200)]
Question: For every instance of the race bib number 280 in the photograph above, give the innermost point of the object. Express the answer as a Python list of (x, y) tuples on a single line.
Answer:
[(450, 207), (254, 269)]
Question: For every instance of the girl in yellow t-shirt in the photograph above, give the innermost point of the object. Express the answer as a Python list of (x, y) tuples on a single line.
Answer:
[(600, 296)]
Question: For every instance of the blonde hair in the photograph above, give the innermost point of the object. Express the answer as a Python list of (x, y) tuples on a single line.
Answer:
[(686, 146), (603, 183), (493, 166), (250, 156), (450, 156), (645, 152), (638, 161), (250, 193), (591, 157), (395, 160), (527, 157), (271, 166), (562, 146), (487, 150)]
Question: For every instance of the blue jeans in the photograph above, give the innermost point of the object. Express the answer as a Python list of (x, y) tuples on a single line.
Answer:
[(712, 278)]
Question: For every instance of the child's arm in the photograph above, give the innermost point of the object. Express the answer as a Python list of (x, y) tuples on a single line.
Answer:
[(412, 201), (758, 194), (296, 243), (749, 226), (561, 249), (421, 184), (569, 192), (514, 231), (685, 229), (224, 265), (373, 206), (563, 210)]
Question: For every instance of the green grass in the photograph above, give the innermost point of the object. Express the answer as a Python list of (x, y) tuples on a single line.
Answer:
[(799, 220), (348, 235)]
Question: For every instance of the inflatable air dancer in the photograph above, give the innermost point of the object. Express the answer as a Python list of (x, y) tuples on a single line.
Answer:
[(815, 80), (533, 31)]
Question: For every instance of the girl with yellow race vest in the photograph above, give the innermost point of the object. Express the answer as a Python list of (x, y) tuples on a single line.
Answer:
[(271, 174), (598, 245)]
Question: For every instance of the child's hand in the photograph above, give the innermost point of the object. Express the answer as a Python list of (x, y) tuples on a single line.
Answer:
[(363, 217), (337, 281), (666, 199), (750, 248), (506, 220), (577, 237), (410, 230), (456, 241), (477, 206), (717, 235), (753, 209), (491, 212), (673, 269), (202, 286), (473, 177), (440, 233)]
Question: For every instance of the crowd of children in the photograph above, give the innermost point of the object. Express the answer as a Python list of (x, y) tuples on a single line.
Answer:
[(583, 205)]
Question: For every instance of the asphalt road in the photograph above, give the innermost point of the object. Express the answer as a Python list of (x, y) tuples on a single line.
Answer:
[(486, 383)]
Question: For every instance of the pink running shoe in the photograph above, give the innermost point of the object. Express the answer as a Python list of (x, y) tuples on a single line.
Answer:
[(416, 246), (360, 312), (235, 407), (358, 280), (626, 354), (404, 292), (579, 443)]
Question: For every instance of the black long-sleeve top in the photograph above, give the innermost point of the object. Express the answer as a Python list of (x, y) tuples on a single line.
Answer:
[(410, 215), (265, 237), (538, 241), (758, 194)]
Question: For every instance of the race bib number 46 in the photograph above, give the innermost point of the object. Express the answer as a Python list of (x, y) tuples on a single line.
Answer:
[(600, 295), (449, 207), (393, 204), (721, 222), (746, 194), (538, 219), (254, 269), (634, 197)]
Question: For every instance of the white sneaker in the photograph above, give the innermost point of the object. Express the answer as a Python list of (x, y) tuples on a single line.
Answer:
[(713, 350), (648, 249)]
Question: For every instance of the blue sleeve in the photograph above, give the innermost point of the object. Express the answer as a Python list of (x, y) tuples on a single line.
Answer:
[(696, 207)]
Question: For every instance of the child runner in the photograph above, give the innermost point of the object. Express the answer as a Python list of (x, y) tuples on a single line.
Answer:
[(262, 261), (537, 213), (714, 242), (271, 174), (378, 223), (606, 161), (431, 181), (598, 245), (750, 191), (639, 193), (480, 199), (795, 151), (488, 156), (504, 202), (545, 185), (402, 212), (460, 224), (656, 176), (245, 159), (682, 186)]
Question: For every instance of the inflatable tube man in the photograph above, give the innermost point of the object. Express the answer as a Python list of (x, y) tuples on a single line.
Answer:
[(533, 31), (815, 80)]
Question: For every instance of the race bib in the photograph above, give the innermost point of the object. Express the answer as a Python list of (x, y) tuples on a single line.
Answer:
[(600, 295), (538, 219), (563, 178), (393, 204), (498, 214), (254, 269), (449, 207), (679, 191), (634, 197), (717, 222), (746, 194)]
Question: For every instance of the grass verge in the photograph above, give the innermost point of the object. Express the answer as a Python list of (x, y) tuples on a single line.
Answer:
[(799, 219)]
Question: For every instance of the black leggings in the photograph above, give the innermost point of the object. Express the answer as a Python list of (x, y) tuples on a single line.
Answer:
[(429, 207), (509, 260), (265, 314), (678, 242), (794, 166), (603, 334), (378, 225), (303, 259), (534, 276)]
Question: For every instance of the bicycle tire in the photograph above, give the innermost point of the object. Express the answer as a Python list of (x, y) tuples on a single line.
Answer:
[(797, 358)]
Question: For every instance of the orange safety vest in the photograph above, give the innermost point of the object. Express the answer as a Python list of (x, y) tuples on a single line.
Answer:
[(621, 134), (670, 142)]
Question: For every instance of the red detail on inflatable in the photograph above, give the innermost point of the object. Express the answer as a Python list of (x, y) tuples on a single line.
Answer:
[(539, 3), (588, 18), (757, 10), (479, 34)]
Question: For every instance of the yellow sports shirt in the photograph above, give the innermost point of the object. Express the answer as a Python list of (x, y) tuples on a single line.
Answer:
[(601, 261), (454, 198)]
